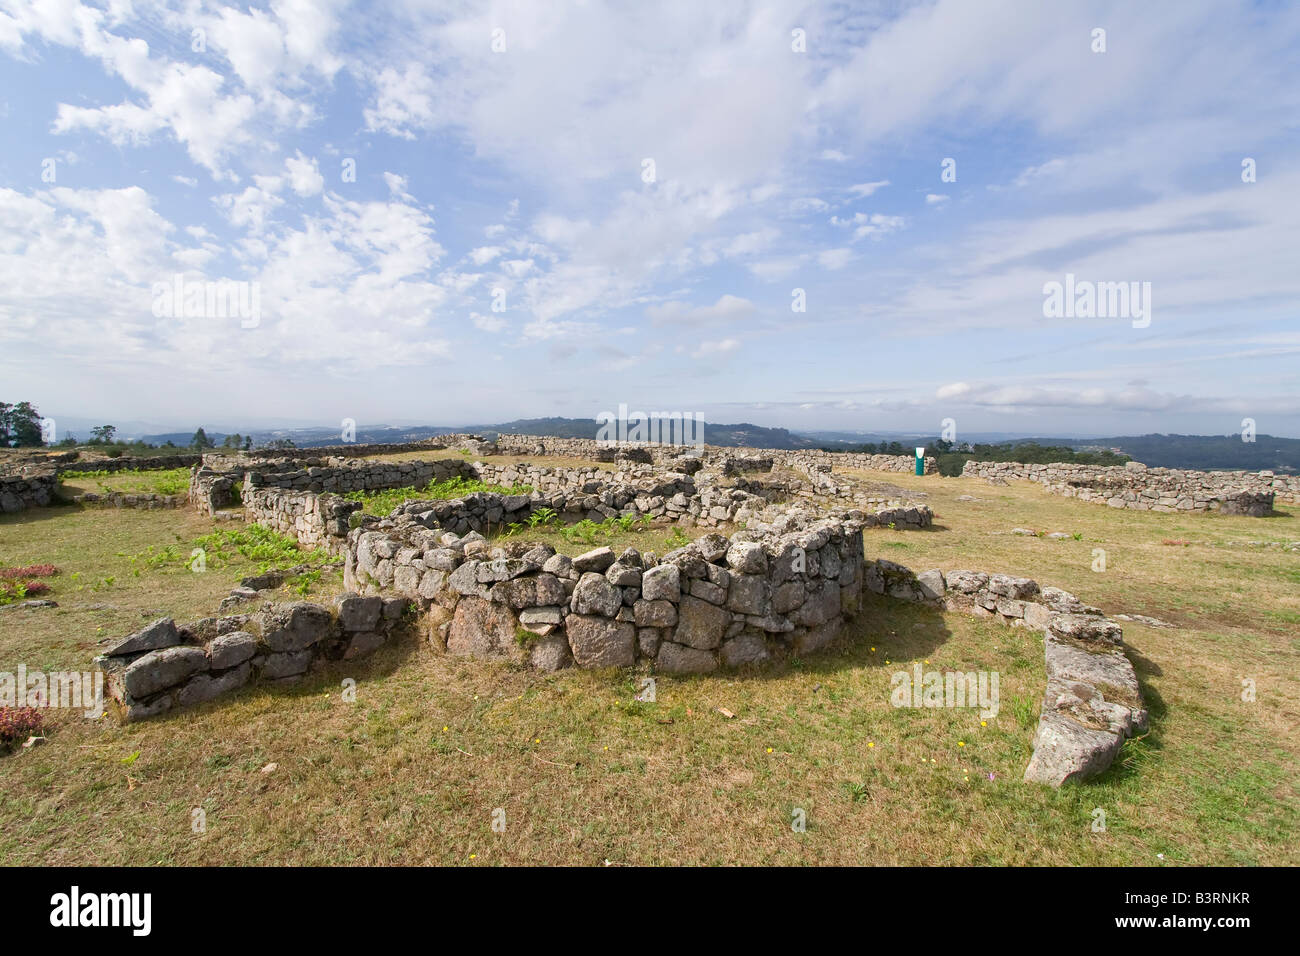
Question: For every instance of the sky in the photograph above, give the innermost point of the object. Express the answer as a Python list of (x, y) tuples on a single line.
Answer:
[(468, 213)]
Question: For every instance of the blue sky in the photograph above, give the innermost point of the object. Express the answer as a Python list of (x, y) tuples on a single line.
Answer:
[(522, 169)]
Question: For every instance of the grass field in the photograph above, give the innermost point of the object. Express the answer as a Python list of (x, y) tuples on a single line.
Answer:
[(413, 771), (168, 481)]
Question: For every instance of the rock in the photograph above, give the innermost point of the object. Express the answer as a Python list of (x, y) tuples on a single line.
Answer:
[(744, 649), (481, 628), (662, 583), (647, 641), (357, 613), (749, 594), (597, 641), (746, 557), (229, 650), (712, 593), (676, 659), (561, 565), (263, 582), (598, 559), (621, 575), (595, 595), (930, 584), (1095, 631), (655, 613), (700, 624), (711, 547), (288, 664), (967, 582), (161, 633), (1021, 589), (295, 626), (203, 687), (550, 653), (363, 643), (160, 669)]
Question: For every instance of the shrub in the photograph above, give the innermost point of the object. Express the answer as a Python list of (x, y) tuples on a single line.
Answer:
[(31, 571), (13, 591), (17, 724)]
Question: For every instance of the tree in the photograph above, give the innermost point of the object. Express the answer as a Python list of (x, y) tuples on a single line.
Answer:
[(20, 426), (232, 441), (201, 440), (102, 434), (248, 443)]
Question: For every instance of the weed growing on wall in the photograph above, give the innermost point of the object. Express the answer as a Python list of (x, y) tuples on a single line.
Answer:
[(382, 502)]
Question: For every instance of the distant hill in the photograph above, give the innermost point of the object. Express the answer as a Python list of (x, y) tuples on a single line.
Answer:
[(1206, 452), (1199, 452), (737, 435)]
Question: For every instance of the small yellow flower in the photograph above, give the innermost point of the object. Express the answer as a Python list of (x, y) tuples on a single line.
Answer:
[(984, 723), (871, 744), (538, 740), (873, 650), (961, 743), (927, 662), (444, 729), (769, 749), (473, 855)]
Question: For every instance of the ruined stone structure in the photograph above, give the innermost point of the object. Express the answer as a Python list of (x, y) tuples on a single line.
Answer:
[(1136, 486), (19, 492), (770, 591), (164, 666), (783, 581)]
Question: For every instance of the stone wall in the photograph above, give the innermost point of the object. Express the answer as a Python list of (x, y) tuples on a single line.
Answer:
[(128, 463), (1093, 701), (770, 591), (1138, 487), (19, 492), (163, 666), (121, 499), (314, 520)]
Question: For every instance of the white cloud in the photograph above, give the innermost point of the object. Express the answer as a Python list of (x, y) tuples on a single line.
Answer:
[(863, 190), (304, 175)]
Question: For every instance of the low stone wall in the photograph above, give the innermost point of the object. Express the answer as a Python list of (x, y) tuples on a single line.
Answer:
[(163, 666), (1093, 701), (807, 460), (119, 499), (128, 463), (314, 520), (19, 492), (1136, 486), (772, 591)]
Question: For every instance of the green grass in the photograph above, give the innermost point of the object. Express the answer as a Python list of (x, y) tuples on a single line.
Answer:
[(412, 771), (167, 481), (383, 502)]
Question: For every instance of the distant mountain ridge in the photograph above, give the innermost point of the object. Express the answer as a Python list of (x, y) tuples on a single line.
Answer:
[(1202, 452)]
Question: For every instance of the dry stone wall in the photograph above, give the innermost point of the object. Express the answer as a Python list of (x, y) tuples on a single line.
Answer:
[(20, 492), (718, 602), (164, 666), (1138, 487)]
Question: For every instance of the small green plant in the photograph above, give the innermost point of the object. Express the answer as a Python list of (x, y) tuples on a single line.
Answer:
[(857, 791), (542, 517), (676, 539), (1024, 710)]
